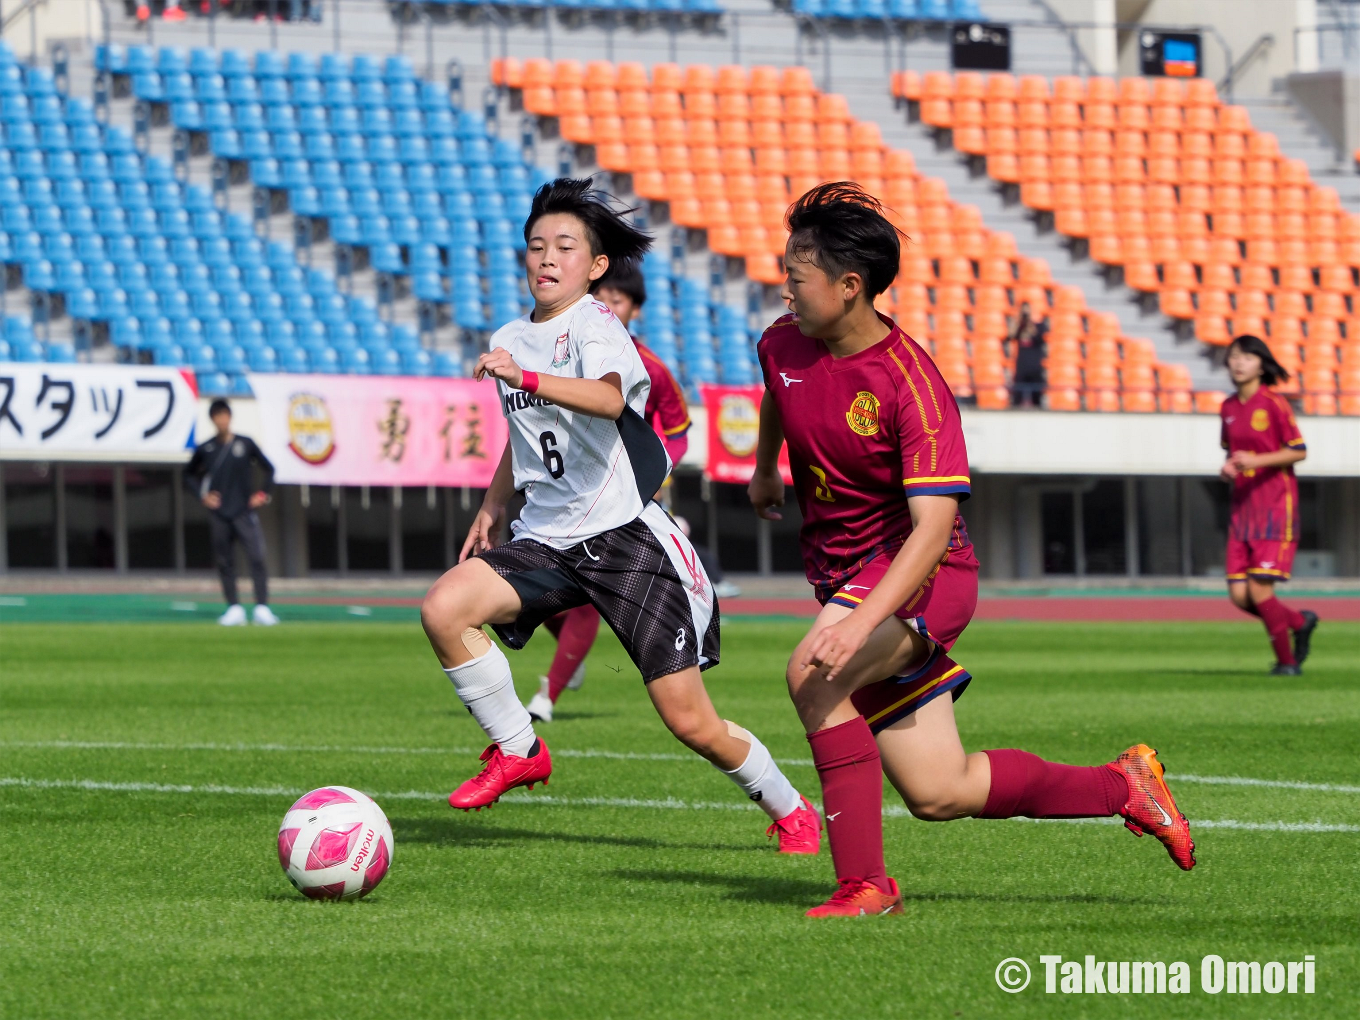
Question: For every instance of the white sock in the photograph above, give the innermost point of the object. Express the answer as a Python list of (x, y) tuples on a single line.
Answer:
[(485, 686), (760, 777)]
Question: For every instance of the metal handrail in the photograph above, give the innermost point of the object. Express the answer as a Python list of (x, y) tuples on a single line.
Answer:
[(19, 12), (1262, 45)]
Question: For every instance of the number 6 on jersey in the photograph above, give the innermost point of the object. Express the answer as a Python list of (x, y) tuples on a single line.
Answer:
[(552, 460)]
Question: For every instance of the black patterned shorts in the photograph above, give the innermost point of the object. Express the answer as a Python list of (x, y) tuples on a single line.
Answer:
[(644, 578)]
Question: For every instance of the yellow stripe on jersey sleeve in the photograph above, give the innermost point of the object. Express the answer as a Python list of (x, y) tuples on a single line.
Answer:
[(937, 480)]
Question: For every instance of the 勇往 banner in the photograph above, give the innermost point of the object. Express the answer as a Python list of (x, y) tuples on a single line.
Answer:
[(379, 430), (96, 412), (733, 427)]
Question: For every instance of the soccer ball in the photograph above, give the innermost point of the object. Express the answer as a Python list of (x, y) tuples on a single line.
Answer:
[(335, 844)]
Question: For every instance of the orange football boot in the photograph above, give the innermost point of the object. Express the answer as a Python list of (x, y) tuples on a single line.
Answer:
[(503, 772), (1151, 808), (800, 832), (856, 897)]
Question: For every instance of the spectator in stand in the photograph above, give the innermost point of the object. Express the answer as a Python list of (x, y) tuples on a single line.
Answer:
[(220, 474), (1027, 338)]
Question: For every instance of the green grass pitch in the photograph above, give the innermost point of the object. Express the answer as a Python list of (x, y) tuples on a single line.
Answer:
[(146, 901)]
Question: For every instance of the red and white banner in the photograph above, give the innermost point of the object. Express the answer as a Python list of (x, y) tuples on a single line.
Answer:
[(380, 430), (733, 428)]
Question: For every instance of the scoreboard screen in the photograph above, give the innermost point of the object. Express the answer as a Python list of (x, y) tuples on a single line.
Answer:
[(1171, 54), (980, 46)]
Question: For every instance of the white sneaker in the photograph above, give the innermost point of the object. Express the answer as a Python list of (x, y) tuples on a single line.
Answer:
[(235, 616), (264, 616), (726, 590), (540, 706), (578, 678)]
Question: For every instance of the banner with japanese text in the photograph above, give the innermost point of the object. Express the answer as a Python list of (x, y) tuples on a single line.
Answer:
[(379, 430), (733, 426), (96, 412)]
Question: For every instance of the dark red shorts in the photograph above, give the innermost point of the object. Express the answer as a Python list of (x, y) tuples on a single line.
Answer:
[(1266, 559), (938, 611)]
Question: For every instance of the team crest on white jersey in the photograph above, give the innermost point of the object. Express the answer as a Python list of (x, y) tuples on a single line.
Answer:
[(561, 351)]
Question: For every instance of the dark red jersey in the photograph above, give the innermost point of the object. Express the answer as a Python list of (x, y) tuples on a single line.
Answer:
[(865, 432), (667, 411), (1265, 500)]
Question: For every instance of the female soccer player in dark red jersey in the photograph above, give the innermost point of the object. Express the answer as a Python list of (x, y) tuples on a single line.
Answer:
[(623, 291), (879, 467), (1263, 444)]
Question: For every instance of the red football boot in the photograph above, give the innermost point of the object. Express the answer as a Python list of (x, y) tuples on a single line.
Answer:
[(503, 772), (856, 897), (1151, 808), (800, 832)]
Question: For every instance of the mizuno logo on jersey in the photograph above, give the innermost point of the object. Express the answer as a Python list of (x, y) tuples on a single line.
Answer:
[(518, 400)]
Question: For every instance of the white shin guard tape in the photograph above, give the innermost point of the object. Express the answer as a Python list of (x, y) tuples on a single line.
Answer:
[(761, 778), (486, 687)]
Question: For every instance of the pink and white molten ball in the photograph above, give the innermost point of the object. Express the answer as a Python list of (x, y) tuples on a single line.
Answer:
[(335, 844)]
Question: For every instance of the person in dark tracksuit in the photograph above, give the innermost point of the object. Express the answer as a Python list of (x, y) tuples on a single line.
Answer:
[(220, 474)]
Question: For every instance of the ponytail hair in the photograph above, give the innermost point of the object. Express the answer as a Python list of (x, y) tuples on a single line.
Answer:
[(1272, 371)]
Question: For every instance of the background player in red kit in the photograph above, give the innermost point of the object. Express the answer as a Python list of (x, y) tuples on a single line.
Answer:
[(879, 466), (1263, 444), (624, 292)]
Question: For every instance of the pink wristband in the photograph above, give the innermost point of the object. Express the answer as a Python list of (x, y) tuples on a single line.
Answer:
[(530, 383)]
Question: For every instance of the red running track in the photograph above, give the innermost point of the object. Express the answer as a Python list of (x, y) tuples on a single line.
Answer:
[(1094, 609), (1061, 609)]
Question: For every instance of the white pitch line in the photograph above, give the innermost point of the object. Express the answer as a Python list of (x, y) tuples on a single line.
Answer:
[(550, 800), (560, 752), (1276, 784)]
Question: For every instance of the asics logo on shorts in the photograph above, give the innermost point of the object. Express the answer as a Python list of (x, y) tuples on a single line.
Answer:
[(680, 639)]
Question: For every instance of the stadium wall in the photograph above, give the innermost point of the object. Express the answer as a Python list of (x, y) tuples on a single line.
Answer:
[(1239, 23), (1054, 496)]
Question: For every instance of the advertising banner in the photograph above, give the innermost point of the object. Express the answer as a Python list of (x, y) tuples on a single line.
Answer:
[(96, 412), (733, 426), (379, 430)]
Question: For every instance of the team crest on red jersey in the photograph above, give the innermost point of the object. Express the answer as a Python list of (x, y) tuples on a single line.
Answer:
[(561, 351), (1260, 419), (863, 414)]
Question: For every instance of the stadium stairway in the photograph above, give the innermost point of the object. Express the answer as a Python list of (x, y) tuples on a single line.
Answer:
[(1299, 139)]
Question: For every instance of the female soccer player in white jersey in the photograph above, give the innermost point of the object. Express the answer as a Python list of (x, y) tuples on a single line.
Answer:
[(573, 388)]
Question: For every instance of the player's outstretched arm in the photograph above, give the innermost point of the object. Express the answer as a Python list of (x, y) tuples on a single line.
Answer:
[(1275, 458), (487, 524), (932, 520), (767, 487), (599, 398)]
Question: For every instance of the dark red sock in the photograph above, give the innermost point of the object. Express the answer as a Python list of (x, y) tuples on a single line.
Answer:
[(848, 765), (1025, 784), (577, 634), (1280, 620)]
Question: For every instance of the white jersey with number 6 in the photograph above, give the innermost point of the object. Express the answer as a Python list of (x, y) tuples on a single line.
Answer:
[(579, 476)]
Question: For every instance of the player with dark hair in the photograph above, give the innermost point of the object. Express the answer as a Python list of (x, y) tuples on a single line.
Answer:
[(623, 291), (573, 388), (1263, 444), (879, 466)]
